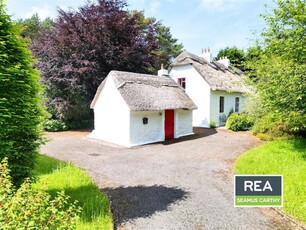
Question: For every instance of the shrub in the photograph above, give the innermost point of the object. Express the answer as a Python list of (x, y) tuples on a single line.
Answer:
[(239, 122), (212, 124), (21, 112), (29, 208), (276, 126), (54, 126)]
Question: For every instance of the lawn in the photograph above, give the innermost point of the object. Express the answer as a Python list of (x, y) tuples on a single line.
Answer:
[(281, 157), (58, 175)]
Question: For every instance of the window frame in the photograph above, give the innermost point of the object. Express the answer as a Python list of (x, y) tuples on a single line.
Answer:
[(221, 104), (182, 82), (237, 105)]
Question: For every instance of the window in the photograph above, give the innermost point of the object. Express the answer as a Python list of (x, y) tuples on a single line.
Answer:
[(182, 82), (221, 105), (237, 105)]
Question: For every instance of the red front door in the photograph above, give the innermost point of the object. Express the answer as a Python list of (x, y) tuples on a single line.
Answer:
[(169, 124)]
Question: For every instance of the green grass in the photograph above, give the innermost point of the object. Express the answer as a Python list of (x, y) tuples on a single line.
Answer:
[(57, 175), (281, 157)]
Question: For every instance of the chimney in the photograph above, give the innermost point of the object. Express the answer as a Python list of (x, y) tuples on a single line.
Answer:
[(162, 72), (225, 61), (205, 53)]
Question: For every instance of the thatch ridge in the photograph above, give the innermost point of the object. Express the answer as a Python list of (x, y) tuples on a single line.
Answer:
[(215, 74)]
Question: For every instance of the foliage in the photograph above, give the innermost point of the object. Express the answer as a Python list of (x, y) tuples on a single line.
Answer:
[(285, 158), (30, 208), (54, 125), (33, 26), (273, 126), (252, 55), (59, 175), (239, 122), (168, 47), (280, 83), (83, 46), (236, 56), (212, 124), (20, 101)]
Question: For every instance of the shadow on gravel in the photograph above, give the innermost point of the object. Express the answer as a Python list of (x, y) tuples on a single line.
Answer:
[(198, 133), (128, 203)]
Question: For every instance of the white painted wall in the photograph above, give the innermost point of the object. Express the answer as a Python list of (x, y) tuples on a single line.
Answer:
[(198, 90), (112, 116), (182, 123), (146, 133), (229, 103)]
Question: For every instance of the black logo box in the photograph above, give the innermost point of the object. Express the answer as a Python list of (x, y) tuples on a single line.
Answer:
[(275, 182)]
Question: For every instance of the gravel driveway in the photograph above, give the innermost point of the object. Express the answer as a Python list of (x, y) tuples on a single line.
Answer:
[(181, 184)]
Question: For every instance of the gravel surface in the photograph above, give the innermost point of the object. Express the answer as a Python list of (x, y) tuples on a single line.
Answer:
[(177, 184)]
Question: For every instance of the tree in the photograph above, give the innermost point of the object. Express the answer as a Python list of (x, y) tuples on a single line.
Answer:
[(33, 26), (252, 54), (281, 70), (20, 101), (235, 55), (83, 46), (168, 47)]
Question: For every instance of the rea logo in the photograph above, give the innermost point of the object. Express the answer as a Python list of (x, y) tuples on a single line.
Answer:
[(258, 190), (257, 186)]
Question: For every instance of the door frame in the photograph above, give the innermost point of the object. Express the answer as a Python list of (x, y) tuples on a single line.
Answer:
[(169, 123)]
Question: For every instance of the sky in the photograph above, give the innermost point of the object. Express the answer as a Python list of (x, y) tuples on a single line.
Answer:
[(197, 24)]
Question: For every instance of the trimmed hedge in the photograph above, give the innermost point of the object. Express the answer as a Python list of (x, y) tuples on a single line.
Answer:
[(21, 111)]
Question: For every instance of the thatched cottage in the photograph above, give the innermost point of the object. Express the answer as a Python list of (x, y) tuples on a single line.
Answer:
[(132, 109), (214, 86)]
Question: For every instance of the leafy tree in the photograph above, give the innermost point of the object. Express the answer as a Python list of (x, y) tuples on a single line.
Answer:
[(167, 47), (252, 54), (281, 70), (236, 56), (34, 25), (83, 46), (20, 101)]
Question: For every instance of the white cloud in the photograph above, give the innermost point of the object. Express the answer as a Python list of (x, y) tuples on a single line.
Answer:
[(43, 12), (221, 5), (154, 6)]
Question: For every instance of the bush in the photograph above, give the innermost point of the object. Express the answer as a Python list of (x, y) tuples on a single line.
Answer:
[(239, 122), (276, 126), (54, 126), (29, 208), (212, 124), (21, 111)]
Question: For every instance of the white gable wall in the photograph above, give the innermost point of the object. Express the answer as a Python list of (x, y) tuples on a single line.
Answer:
[(198, 90), (229, 103), (112, 116), (151, 132), (182, 123)]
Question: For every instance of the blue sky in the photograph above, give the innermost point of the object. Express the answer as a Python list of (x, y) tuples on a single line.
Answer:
[(196, 23)]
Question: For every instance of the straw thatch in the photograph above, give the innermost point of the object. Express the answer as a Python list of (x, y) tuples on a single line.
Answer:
[(144, 92), (215, 74)]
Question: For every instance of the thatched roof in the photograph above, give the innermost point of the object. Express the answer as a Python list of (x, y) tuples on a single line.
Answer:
[(143, 92), (215, 74)]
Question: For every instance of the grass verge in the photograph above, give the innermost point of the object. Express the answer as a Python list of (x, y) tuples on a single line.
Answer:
[(57, 175), (281, 157)]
